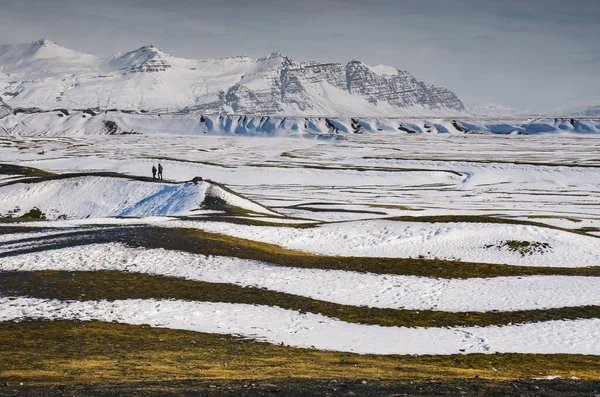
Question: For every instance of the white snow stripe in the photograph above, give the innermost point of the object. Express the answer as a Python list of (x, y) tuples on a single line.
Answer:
[(338, 286), (276, 325), (470, 242)]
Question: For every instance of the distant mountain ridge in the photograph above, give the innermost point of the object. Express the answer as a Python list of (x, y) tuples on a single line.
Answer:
[(483, 110), (47, 76), (584, 111)]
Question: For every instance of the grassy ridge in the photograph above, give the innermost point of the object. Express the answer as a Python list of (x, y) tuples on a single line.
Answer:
[(83, 352), (116, 285), (13, 169)]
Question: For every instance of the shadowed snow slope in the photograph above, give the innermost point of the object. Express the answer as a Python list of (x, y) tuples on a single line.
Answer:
[(103, 196)]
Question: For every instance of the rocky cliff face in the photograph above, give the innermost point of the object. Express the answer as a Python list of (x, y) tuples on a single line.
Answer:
[(46, 76), (4, 109), (143, 60), (400, 89), (285, 84)]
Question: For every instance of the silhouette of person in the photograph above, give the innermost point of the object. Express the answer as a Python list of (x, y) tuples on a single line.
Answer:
[(153, 172), (160, 170)]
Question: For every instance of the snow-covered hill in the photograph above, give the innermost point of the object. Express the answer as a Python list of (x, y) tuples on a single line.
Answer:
[(47, 76), (95, 196)]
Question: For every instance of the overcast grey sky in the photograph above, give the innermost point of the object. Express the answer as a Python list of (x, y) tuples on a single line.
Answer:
[(522, 53)]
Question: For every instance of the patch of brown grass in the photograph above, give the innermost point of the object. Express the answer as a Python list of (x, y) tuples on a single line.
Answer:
[(84, 352)]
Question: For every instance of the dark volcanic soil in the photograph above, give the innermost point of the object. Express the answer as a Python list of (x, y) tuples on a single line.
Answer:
[(333, 388)]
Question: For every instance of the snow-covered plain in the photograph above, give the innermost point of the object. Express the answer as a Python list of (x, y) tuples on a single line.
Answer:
[(344, 190)]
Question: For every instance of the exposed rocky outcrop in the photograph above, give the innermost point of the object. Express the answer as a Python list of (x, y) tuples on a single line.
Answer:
[(4, 109), (400, 90), (285, 84), (143, 60)]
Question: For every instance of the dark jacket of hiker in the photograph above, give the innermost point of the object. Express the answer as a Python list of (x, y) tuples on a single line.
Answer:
[(153, 172), (160, 170)]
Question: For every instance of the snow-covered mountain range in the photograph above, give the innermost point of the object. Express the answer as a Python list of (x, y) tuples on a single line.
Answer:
[(47, 76)]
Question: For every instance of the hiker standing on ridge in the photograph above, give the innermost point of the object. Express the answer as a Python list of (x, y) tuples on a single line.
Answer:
[(160, 169), (153, 172)]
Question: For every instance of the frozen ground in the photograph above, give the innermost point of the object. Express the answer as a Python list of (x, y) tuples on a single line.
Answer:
[(504, 201)]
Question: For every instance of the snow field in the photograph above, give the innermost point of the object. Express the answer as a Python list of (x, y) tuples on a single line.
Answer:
[(276, 325), (255, 167), (469, 242), (337, 286), (414, 182)]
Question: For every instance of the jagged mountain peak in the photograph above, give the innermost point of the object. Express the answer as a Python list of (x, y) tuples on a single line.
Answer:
[(276, 59), (43, 43), (274, 54), (144, 59), (144, 53), (151, 49)]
